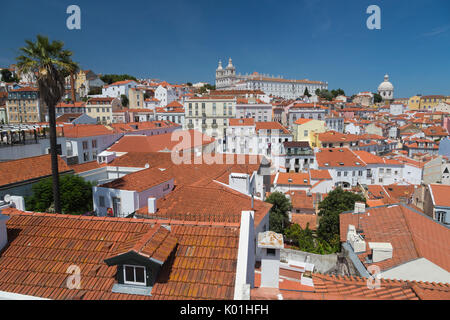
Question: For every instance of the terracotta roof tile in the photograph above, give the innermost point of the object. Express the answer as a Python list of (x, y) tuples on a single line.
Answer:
[(36, 260), (412, 235), (29, 168)]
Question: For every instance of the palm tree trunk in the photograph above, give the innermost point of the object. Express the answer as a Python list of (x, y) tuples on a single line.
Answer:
[(54, 157)]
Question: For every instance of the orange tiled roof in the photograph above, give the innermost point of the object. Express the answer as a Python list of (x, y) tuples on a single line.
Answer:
[(24, 89), (87, 166), (155, 143), (302, 121), (338, 157), (85, 130), (241, 122), (203, 266), (319, 174), (29, 168), (156, 243), (331, 287), (175, 104), (298, 178), (412, 235), (139, 181), (212, 203), (440, 194), (334, 136), (271, 126), (305, 220)]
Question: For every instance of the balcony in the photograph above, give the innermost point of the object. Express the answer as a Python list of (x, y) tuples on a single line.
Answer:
[(214, 126), (204, 126), (190, 125), (300, 153)]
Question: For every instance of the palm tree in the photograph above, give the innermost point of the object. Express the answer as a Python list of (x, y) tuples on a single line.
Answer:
[(51, 64)]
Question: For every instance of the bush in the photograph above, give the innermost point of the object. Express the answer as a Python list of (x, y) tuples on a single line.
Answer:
[(75, 194)]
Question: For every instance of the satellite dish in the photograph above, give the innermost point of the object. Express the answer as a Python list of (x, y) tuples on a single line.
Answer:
[(7, 198), (147, 166)]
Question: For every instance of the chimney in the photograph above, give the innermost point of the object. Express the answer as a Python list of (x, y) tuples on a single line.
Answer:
[(239, 182), (360, 207), (151, 205), (355, 240), (270, 243), (3, 231), (245, 268)]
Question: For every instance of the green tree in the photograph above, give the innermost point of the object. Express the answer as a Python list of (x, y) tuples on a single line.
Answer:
[(325, 94), (95, 90), (111, 78), (189, 84), (124, 100), (8, 77), (278, 219), (377, 98), (306, 241), (337, 92), (76, 195), (292, 233), (336, 202), (52, 64), (306, 93)]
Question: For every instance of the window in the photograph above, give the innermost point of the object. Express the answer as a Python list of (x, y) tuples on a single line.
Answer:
[(134, 274), (440, 216), (85, 145), (86, 156), (270, 252), (94, 143), (101, 201)]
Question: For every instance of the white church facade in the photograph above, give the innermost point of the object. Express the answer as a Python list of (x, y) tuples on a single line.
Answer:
[(227, 79)]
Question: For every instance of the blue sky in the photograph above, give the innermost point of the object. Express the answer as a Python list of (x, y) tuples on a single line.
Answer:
[(181, 41)]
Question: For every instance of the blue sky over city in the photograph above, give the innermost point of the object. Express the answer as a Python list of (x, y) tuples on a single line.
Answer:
[(182, 41)]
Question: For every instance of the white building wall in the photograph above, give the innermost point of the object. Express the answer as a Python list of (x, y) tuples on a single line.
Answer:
[(418, 270)]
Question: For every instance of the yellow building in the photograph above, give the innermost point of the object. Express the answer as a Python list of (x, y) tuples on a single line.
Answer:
[(136, 98), (209, 114), (24, 106), (304, 129), (414, 103), (101, 109), (428, 103)]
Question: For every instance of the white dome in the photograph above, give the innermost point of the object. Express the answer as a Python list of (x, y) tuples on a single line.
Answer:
[(385, 85)]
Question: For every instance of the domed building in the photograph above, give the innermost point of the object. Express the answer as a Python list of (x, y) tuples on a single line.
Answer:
[(386, 89)]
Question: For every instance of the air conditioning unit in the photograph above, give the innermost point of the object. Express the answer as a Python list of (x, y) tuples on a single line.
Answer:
[(381, 251), (355, 240)]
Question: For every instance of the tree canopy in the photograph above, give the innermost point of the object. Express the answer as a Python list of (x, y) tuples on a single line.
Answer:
[(76, 195), (51, 64), (111, 78), (278, 218), (306, 93), (377, 98), (124, 100), (8, 77), (336, 202), (325, 94)]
